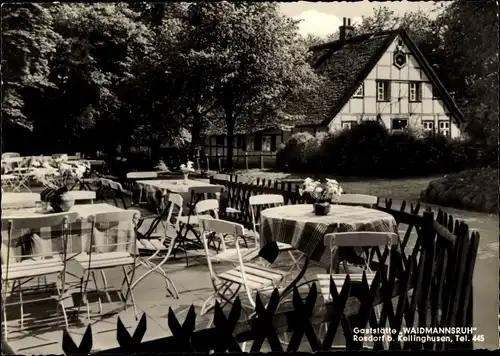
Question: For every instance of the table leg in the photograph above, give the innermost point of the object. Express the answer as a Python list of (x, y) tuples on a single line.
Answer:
[(296, 280)]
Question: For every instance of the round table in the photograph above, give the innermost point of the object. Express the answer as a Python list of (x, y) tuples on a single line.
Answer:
[(298, 226)]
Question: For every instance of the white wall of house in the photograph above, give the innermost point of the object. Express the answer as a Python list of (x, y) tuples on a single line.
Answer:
[(408, 96)]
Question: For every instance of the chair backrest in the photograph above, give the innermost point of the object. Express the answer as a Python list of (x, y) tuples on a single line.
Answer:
[(41, 221), (224, 228), (125, 215), (361, 239), (116, 186), (105, 182), (117, 235), (207, 191), (174, 211), (264, 199), (154, 197), (142, 175), (358, 199), (36, 237), (207, 205), (260, 201), (10, 155), (82, 195), (59, 155)]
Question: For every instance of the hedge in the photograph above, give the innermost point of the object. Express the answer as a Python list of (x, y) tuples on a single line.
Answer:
[(475, 189), (370, 150)]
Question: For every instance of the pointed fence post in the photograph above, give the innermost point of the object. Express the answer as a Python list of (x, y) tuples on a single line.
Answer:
[(246, 160)]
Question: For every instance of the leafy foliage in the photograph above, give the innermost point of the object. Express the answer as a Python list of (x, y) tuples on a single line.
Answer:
[(251, 57), (369, 149), (300, 150), (28, 44)]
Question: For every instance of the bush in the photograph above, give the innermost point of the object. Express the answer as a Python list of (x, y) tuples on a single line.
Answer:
[(370, 150), (300, 152), (475, 189)]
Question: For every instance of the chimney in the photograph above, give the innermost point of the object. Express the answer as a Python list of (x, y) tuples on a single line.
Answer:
[(346, 30)]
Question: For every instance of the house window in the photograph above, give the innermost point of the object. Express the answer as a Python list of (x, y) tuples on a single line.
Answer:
[(415, 90), (428, 126), (257, 143), (444, 128), (435, 93), (383, 90), (241, 141), (399, 124), (348, 124), (360, 92), (266, 143), (249, 142), (219, 141), (273, 143)]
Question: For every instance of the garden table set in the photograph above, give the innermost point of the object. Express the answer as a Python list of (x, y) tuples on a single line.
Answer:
[(298, 226)]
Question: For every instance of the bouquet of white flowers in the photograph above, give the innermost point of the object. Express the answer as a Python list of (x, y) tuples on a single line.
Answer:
[(330, 191), (57, 175), (186, 169)]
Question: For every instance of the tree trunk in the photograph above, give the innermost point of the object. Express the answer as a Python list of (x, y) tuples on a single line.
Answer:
[(195, 131), (230, 136)]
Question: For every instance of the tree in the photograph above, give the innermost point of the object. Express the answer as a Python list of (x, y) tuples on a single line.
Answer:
[(99, 52), (28, 45), (255, 58), (469, 52)]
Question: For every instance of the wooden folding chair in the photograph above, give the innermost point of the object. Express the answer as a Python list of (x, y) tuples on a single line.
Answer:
[(23, 174), (151, 209), (257, 203), (369, 201), (251, 277), (98, 257), (227, 254), (355, 239), (24, 260), (150, 249)]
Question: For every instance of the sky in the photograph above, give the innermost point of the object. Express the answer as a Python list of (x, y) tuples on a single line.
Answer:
[(323, 18)]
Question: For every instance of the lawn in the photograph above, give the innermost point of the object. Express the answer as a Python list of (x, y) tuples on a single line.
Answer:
[(398, 189)]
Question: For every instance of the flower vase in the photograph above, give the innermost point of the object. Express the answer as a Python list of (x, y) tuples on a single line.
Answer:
[(185, 181), (321, 208), (61, 201)]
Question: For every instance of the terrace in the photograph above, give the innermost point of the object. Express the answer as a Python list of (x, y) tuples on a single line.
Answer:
[(45, 330)]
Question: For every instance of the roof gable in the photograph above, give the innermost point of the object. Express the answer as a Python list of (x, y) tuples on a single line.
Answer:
[(431, 74), (347, 66)]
